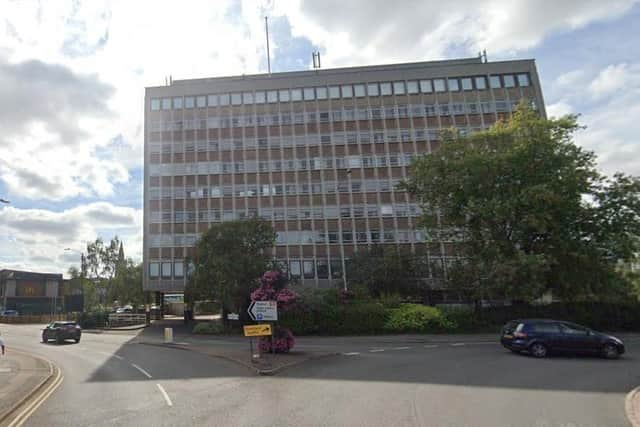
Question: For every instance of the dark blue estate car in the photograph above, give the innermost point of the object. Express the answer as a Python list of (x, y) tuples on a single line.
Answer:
[(539, 337)]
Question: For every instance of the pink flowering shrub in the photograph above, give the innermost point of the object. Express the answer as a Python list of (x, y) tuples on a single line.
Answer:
[(272, 288)]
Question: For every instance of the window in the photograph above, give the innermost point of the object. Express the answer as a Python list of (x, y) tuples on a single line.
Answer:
[(284, 95), (323, 269), (212, 100), (336, 268), (347, 236), (546, 328), (466, 84), (294, 268), (481, 83), (272, 96), (494, 81), (178, 269), (155, 104), (224, 99), (454, 85), (334, 92), (260, 97), (166, 270), (347, 91), (385, 89), (309, 94), (359, 90), (201, 101), (372, 89), (412, 87), (247, 98), (236, 98), (321, 93), (509, 80), (398, 88), (523, 80), (308, 269), (166, 103), (177, 103), (572, 329), (438, 85), (154, 270), (296, 94), (189, 102), (425, 86), (386, 210)]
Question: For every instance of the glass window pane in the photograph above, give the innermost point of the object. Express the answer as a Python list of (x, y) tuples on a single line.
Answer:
[(481, 83), (155, 104), (425, 86), (166, 103), (154, 269), (323, 269), (509, 81), (166, 269), (247, 98), (294, 268), (224, 99), (260, 97), (398, 88), (385, 88), (438, 85), (201, 101), (321, 92), (334, 92), (359, 90), (494, 81), (308, 269), (453, 85), (347, 91), (296, 94), (212, 100), (412, 87), (523, 80), (467, 84), (336, 268), (189, 102), (177, 102), (372, 89), (309, 94), (284, 95), (272, 96), (236, 99), (178, 269)]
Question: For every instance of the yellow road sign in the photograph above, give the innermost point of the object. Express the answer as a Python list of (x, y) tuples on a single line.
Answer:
[(257, 330)]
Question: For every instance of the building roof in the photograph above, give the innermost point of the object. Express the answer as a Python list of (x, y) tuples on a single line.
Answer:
[(28, 275)]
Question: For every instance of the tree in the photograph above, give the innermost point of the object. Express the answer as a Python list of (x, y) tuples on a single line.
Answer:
[(91, 299), (126, 286), (383, 270), (530, 210), (230, 257), (102, 263)]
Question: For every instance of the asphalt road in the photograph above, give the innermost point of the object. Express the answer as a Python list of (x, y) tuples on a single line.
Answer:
[(110, 380)]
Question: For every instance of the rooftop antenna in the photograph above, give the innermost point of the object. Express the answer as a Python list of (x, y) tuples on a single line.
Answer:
[(316, 60), (266, 30), (484, 55)]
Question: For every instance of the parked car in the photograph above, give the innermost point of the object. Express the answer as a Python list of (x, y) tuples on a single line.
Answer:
[(61, 331), (9, 313), (540, 337), (125, 309)]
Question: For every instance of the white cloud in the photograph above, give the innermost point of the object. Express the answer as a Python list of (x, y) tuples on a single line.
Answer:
[(559, 109), (35, 239), (615, 78)]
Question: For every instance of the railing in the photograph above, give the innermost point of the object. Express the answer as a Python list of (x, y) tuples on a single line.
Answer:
[(126, 319)]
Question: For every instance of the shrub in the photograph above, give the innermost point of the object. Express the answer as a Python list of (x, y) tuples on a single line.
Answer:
[(417, 318), (93, 319), (210, 328)]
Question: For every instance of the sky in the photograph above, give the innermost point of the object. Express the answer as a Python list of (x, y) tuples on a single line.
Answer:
[(73, 73)]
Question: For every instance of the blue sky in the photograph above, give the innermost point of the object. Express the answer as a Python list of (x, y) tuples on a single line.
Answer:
[(74, 72)]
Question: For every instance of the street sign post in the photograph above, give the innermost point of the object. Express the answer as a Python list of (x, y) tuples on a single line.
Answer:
[(263, 311), (263, 330)]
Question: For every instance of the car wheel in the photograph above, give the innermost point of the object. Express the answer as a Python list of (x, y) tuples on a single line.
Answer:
[(77, 340), (538, 349), (610, 351), (44, 338)]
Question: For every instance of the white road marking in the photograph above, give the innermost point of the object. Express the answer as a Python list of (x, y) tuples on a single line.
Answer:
[(431, 346), (353, 353), (166, 396), (4, 370), (118, 357), (457, 344), (400, 348), (142, 370), (376, 350), (23, 416)]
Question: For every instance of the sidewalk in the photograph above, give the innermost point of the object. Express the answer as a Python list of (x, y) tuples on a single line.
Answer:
[(632, 407), (20, 375)]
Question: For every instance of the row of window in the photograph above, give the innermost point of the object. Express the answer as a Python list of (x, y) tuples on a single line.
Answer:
[(347, 91), (253, 166), (336, 138), (291, 213), (336, 115), (307, 237), (266, 190)]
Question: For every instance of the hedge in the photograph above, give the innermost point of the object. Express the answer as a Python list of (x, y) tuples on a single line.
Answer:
[(417, 318)]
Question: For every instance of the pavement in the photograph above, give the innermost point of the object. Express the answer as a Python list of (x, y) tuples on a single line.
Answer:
[(632, 407), (21, 374), (112, 379)]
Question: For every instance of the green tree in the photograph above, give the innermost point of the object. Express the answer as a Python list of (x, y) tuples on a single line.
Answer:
[(230, 257), (102, 262), (89, 291), (383, 270), (126, 286), (530, 210)]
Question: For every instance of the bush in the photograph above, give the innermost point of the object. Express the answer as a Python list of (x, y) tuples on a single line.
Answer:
[(208, 307), (93, 319), (417, 318), (210, 328)]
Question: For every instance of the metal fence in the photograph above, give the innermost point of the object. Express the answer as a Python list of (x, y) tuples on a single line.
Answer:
[(126, 319)]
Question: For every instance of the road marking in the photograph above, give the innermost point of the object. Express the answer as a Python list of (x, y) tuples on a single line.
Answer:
[(376, 350), (431, 346), (142, 370), (353, 353), (400, 348), (23, 416), (4, 370), (457, 344), (118, 357), (166, 396)]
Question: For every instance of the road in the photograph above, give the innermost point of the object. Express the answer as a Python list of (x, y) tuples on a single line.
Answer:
[(111, 380)]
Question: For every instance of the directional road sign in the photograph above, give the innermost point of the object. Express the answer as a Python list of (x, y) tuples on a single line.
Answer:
[(257, 330), (263, 310)]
